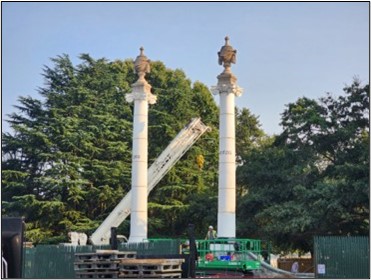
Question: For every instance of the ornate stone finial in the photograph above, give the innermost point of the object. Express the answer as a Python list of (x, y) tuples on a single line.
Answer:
[(141, 88), (226, 40), (142, 65), (227, 55)]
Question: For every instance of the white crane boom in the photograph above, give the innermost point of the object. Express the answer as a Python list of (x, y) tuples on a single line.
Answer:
[(173, 152)]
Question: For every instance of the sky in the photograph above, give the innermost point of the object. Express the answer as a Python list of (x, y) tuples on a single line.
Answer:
[(285, 50)]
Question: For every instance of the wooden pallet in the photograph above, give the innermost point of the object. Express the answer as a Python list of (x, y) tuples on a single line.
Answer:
[(163, 275), (152, 264), (100, 264), (115, 264), (96, 265), (94, 274), (150, 268), (101, 255)]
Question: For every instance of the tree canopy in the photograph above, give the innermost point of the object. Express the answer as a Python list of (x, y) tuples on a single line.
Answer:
[(67, 162), (313, 179)]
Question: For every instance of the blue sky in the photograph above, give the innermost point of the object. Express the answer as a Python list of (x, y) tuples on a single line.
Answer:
[(285, 50)]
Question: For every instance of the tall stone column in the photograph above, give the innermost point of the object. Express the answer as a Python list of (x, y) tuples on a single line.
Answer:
[(227, 89), (141, 96)]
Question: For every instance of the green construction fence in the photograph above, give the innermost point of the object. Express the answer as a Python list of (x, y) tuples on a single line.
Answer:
[(57, 261), (346, 257)]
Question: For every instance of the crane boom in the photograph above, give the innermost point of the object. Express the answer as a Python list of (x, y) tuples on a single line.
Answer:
[(173, 152)]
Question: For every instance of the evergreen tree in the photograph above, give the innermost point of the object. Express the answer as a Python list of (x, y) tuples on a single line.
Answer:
[(313, 179), (179, 102), (68, 162)]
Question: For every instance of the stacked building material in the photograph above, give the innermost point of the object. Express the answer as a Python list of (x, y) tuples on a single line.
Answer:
[(150, 268), (100, 264)]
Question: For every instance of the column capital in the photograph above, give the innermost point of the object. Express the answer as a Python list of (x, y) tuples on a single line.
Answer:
[(226, 89), (141, 92)]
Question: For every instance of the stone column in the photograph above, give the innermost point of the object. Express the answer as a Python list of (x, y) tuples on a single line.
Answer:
[(227, 89), (141, 96)]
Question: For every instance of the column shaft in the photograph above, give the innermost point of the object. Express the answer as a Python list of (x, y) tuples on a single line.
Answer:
[(227, 167), (139, 213)]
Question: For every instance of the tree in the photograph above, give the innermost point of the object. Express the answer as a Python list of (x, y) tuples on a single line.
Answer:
[(179, 102), (313, 179), (68, 162), (71, 148), (338, 139), (248, 131), (270, 209)]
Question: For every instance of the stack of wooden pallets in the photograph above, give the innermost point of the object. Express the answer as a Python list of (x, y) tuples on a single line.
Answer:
[(150, 268), (100, 264)]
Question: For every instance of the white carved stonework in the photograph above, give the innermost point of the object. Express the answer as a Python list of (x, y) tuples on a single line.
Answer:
[(226, 89), (152, 99), (214, 90), (141, 88), (149, 97)]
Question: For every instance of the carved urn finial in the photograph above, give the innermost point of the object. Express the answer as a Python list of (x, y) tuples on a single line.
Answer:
[(227, 55), (142, 65)]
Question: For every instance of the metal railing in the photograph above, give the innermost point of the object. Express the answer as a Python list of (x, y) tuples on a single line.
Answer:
[(228, 253), (4, 268)]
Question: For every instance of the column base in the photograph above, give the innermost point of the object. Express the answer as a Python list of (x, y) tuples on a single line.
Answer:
[(226, 225)]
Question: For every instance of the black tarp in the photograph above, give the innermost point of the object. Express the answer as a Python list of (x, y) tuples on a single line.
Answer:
[(12, 244)]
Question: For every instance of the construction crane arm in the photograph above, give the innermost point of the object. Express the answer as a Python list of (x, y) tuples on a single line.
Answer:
[(167, 159)]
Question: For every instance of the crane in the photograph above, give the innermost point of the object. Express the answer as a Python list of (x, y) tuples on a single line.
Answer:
[(173, 152)]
